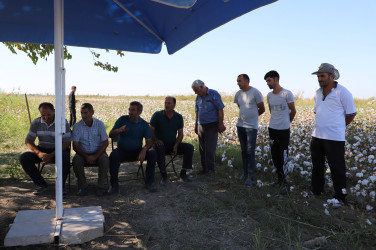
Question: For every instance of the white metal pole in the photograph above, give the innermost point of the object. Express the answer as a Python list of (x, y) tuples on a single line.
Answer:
[(58, 47)]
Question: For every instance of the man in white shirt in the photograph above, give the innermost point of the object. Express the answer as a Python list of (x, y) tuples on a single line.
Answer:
[(334, 109), (282, 112)]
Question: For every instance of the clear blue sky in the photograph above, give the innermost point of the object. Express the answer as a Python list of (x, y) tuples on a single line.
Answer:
[(292, 37)]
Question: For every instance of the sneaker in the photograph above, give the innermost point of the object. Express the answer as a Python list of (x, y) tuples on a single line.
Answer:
[(82, 192), (185, 177), (339, 204), (113, 190), (101, 192), (243, 177), (249, 182), (151, 187), (40, 190), (164, 181)]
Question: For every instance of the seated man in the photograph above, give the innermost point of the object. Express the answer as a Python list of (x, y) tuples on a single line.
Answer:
[(165, 124), (43, 127), (130, 130), (90, 142)]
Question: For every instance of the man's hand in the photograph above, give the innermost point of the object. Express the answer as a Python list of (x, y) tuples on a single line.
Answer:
[(158, 143), (47, 158), (196, 129), (221, 127), (142, 155), (175, 150), (91, 159), (122, 129)]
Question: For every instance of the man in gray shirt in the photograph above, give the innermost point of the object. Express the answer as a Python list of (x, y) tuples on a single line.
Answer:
[(44, 128), (90, 142), (251, 106), (282, 112)]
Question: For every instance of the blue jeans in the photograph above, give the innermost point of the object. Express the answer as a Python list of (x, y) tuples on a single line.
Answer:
[(247, 138)]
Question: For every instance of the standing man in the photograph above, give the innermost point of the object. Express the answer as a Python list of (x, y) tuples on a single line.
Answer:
[(334, 109), (251, 106), (130, 130), (90, 142), (44, 128), (165, 124), (209, 121), (72, 106), (282, 112)]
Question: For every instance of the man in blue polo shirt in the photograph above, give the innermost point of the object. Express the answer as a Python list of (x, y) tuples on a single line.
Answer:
[(165, 124), (44, 128), (130, 130), (209, 121)]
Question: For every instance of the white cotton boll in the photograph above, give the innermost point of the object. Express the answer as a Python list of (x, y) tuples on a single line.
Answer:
[(368, 222), (353, 168), (258, 149), (325, 205), (229, 176), (265, 169), (260, 183), (274, 170), (364, 193), (291, 188), (258, 165), (372, 178), (372, 148), (330, 184), (371, 157), (344, 191), (306, 163), (303, 172), (364, 182), (268, 195), (359, 175), (357, 193), (369, 207), (372, 194), (326, 212)]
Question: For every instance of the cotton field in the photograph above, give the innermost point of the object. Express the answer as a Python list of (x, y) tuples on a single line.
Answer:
[(360, 146)]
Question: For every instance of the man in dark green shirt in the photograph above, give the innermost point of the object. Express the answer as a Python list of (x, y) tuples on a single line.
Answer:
[(165, 124)]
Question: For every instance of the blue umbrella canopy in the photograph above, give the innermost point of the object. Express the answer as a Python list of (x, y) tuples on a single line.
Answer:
[(128, 25)]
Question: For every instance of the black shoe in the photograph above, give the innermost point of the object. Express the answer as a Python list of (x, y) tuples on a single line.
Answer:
[(185, 177), (101, 192), (82, 192), (40, 189), (202, 172), (151, 187), (113, 190), (164, 181)]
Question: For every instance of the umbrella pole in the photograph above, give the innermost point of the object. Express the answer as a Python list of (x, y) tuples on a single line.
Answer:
[(59, 111), (28, 109)]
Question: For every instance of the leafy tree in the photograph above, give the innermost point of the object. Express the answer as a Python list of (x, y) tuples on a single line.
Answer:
[(35, 51)]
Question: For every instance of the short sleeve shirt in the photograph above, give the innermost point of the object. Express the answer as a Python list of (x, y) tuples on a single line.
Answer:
[(166, 129), (331, 111), (90, 139), (46, 133), (132, 138), (279, 109), (248, 110), (207, 107)]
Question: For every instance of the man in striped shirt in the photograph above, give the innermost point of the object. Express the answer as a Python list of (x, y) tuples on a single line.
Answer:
[(44, 128)]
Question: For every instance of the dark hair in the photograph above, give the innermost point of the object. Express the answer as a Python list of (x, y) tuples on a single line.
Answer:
[(46, 105), (87, 106), (138, 104), (73, 87), (245, 76), (173, 98), (271, 74)]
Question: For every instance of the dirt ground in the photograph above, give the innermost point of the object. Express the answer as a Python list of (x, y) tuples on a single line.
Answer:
[(176, 216), (208, 213)]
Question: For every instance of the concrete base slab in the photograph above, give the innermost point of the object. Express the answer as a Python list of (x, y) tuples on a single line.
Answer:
[(78, 225)]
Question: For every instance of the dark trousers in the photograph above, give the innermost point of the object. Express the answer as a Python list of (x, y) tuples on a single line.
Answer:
[(72, 119), (207, 141), (334, 151), (118, 156), (279, 142), (184, 149), (247, 138), (29, 159)]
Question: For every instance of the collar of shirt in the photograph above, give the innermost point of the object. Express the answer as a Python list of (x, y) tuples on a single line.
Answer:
[(42, 121)]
